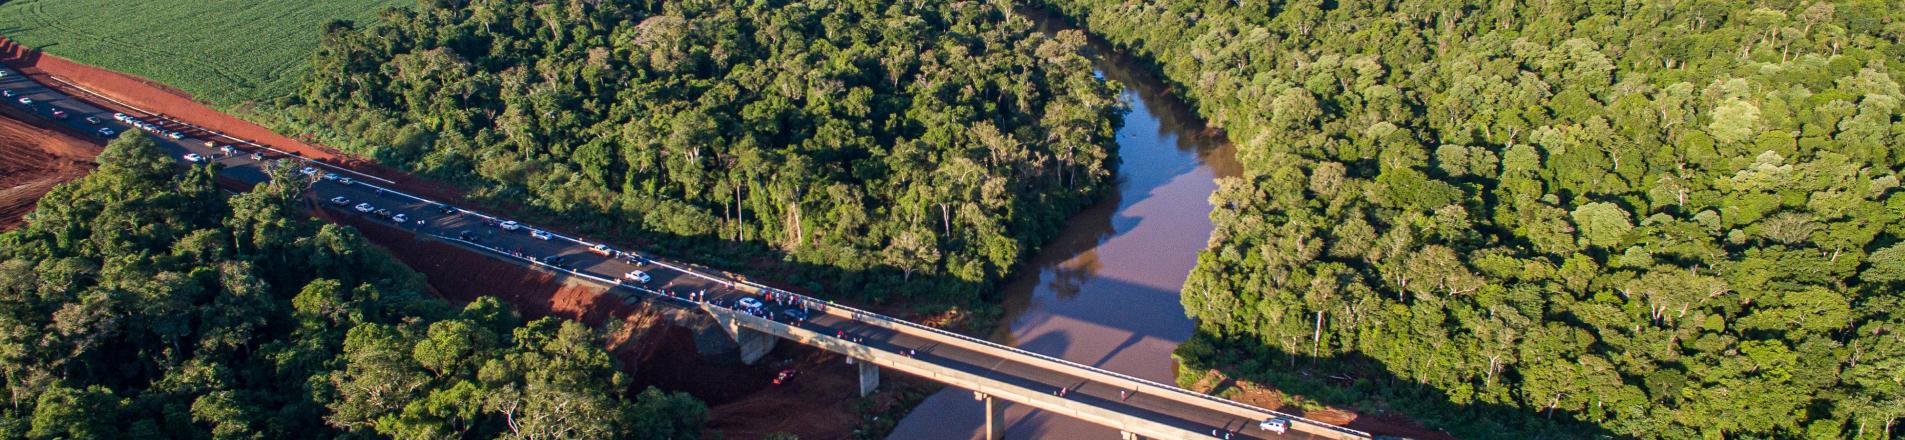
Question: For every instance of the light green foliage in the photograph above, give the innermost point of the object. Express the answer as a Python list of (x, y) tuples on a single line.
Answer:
[(1601, 223), (858, 144), (139, 302), (1692, 232), (221, 51)]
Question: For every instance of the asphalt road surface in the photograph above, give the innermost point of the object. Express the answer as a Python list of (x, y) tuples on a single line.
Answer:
[(672, 283)]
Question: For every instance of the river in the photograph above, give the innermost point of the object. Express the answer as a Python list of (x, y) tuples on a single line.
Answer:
[(1105, 292)]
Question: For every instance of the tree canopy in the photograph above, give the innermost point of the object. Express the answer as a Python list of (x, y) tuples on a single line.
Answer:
[(870, 141), (1657, 219), (139, 302)]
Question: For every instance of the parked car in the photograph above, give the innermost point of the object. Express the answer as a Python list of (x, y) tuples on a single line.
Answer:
[(364, 207), (382, 213), (602, 249), (399, 218), (257, 156), (750, 302), (59, 114), (26, 101), (447, 209), (227, 149), (467, 235), (340, 201), (107, 132), (785, 376), (510, 225), (194, 157), (328, 176), (1276, 425), (121, 117), (345, 180), (637, 259), (538, 233), (92, 120), (639, 277), (6, 93), (308, 171), (175, 135), (556, 260)]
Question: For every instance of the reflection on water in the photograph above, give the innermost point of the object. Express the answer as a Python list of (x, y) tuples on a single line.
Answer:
[(1104, 292)]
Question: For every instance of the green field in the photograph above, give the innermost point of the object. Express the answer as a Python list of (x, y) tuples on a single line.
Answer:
[(222, 51)]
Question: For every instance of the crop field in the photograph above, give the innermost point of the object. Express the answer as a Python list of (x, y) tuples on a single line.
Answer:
[(223, 52)]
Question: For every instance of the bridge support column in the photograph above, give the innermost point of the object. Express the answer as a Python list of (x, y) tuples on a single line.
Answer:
[(995, 415), (869, 377), (754, 344)]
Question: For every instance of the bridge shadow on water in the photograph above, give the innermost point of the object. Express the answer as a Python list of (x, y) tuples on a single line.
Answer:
[(1387, 404)]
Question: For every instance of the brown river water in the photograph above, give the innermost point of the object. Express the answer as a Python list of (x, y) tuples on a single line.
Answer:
[(1105, 292)]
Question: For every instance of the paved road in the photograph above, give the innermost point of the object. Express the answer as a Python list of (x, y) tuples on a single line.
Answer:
[(672, 283)]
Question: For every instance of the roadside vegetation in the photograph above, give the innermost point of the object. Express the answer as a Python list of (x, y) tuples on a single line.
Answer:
[(139, 302), (887, 150), (1552, 219), (223, 52)]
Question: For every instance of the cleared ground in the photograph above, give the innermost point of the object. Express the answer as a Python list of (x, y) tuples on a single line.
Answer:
[(221, 51), (32, 161)]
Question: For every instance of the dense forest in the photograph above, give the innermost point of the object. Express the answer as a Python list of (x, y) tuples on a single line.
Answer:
[(1552, 218), (139, 302), (888, 148)]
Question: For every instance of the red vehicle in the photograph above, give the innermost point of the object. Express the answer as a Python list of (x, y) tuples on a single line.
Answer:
[(57, 113), (785, 376)]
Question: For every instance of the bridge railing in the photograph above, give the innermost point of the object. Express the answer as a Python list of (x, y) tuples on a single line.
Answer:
[(1209, 401)]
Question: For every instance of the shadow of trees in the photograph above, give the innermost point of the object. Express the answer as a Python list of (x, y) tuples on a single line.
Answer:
[(1368, 386)]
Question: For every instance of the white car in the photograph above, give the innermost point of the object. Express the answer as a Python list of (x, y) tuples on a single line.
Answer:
[(1276, 425), (340, 201), (345, 180), (107, 132), (538, 233), (121, 117), (638, 277), (399, 218), (510, 225), (750, 302), (364, 207), (227, 149), (328, 176), (175, 135), (194, 157), (307, 171), (26, 100), (6, 93)]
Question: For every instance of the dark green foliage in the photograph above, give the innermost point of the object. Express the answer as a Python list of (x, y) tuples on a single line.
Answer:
[(140, 303), (869, 141), (1653, 219)]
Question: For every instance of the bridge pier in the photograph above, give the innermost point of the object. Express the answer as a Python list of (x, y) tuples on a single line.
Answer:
[(995, 415), (754, 344), (869, 376)]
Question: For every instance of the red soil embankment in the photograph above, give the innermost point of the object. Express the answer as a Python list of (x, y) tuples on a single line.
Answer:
[(32, 161), (743, 402)]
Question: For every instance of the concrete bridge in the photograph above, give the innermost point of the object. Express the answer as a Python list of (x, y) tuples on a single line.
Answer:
[(994, 373)]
